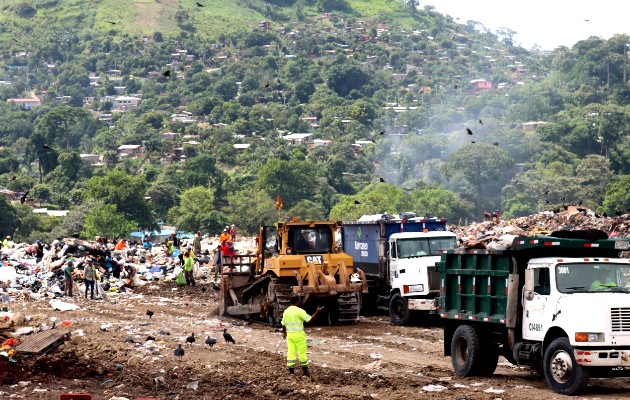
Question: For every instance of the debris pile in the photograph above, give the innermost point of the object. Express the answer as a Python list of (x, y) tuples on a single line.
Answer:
[(497, 234)]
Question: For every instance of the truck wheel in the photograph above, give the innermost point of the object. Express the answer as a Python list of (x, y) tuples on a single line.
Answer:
[(398, 310), (563, 374), (466, 354)]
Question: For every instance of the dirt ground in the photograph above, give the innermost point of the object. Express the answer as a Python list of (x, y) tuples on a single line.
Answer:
[(371, 359)]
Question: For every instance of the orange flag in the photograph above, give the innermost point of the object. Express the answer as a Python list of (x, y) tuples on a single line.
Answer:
[(279, 203)]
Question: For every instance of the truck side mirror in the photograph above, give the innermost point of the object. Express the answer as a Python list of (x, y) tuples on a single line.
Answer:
[(528, 292)]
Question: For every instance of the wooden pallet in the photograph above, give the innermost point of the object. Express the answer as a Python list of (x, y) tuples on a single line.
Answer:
[(43, 342)]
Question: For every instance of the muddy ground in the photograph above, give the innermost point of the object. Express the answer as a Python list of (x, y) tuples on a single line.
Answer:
[(371, 359)]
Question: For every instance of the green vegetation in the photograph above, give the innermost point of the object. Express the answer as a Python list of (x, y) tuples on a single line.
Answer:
[(204, 99)]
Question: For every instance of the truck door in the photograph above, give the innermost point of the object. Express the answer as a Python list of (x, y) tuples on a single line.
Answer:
[(393, 262), (535, 296)]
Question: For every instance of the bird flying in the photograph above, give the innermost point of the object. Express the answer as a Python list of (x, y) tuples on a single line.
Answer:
[(480, 121), (23, 198), (267, 84), (228, 338), (382, 133), (150, 313), (179, 352), (357, 202), (469, 131), (199, 5), (211, 341), (166, 73), (496, 144), (381, 180), (112, 22), (191, 339), (45, 146)]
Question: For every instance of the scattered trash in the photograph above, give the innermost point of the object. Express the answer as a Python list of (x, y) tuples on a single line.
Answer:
[(434, 388), (193, 385)]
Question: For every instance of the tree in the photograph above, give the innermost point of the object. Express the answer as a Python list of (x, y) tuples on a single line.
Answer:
[(194, 211), (58, 121), (373, 199), (108, 222), (346, 77), (8, 218), (125, 192), (617, 195), (294, 180), (307, 210), (163, 196), (478, 165), (251, 208)]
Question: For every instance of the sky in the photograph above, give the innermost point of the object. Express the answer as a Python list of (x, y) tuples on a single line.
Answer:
[(546, 23)]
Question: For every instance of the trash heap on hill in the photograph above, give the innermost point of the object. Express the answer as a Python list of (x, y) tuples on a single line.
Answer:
[(498, 234)]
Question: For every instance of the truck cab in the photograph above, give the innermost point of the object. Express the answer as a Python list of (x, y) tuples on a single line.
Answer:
[(584, 299), (413, 278)]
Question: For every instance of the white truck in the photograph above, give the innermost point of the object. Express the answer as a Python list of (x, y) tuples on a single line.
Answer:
[(558, 304), (398, 256)]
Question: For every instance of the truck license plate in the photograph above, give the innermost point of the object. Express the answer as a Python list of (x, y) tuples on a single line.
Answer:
[(622, 245)]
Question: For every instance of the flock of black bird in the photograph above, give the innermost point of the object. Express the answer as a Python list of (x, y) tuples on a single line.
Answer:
[(179, 351), (470, 132)]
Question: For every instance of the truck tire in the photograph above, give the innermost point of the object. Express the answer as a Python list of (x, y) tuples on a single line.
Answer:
[(399, 310), (563, 374), (466, 354)]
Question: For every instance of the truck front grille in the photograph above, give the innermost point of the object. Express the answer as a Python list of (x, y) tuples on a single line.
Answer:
[(620, 319)]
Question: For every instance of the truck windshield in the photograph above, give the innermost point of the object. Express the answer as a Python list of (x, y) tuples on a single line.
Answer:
[(593, 277), (420, 247), (309, 240)]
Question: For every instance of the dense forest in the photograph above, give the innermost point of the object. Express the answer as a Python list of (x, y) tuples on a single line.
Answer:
[(203, 114)]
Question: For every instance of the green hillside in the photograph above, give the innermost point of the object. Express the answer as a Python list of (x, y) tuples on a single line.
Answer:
[(144, 17), (204, 116)]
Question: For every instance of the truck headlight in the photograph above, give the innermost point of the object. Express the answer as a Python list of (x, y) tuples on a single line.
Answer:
[(413, 288), (589, 337)]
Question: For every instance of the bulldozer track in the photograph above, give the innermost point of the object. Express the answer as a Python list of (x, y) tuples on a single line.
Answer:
[(281, 294), (349, 306)]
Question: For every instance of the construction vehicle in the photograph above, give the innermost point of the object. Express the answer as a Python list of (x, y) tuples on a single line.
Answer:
[(540, 303), (296, 257), (398, 255)]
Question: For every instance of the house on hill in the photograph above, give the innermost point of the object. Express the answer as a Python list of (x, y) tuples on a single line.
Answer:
[(28, 104), (299, 138)]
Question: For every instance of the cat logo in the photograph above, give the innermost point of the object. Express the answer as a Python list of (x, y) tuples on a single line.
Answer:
[(317, 260)]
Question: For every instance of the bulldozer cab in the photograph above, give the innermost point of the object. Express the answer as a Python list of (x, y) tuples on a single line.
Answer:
[(309, 239)]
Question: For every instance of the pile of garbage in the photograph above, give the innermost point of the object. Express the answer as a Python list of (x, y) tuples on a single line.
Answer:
[(498, 234)]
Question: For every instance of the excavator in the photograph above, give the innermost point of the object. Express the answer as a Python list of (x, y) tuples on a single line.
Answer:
[(293, 257)]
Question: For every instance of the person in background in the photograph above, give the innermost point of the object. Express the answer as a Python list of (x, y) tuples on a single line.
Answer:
[(89, 276), (225, 236), (39, 251), (6, 242), (233, 233), (189, 265), (67, 274), (130, 271), (197, 243), (604, 280), (293, 320)]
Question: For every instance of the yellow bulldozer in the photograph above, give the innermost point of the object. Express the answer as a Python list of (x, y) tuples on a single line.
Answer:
[(295, 257)]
